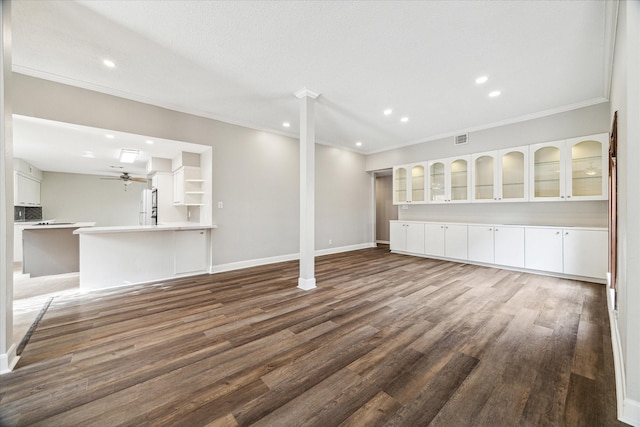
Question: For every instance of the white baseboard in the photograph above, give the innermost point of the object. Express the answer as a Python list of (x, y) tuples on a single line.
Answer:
[(282, 258), (306, 284), (9, 359), (628, 409)]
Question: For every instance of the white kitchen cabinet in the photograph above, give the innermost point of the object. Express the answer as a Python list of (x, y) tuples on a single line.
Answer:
[(449, 180), (26, 190), (584, 252), (509, 246), (167, 211), (187, 186), (406, 237), (446, 240), (409, 184), (572, 169), (190, 251), (500, 176), (481, 243), (543, 249)]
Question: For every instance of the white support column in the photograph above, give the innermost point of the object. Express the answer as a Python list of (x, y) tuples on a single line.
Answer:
[(8, 357), (307, 278)]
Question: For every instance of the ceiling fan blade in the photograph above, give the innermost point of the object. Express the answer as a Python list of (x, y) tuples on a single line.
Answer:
[(138, 179)]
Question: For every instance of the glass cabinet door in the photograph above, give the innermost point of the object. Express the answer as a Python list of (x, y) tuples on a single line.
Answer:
[(484, 177), (588, 169), (459, 180), (436, 182), (400, 185), (547, 179), (417, 183), (513, 174)]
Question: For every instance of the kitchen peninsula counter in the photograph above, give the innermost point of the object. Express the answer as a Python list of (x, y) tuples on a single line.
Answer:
[(127, 255), (51, 248)]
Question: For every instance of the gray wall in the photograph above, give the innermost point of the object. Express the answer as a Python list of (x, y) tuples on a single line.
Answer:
[(69, 197), (255, 173), (625, 98), (580, 122), (385, 210)]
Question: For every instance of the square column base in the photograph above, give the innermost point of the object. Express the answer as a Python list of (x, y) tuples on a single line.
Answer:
[(306, 284)]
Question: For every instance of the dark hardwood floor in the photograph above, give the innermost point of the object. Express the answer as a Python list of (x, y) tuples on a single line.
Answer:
[(385, 339)]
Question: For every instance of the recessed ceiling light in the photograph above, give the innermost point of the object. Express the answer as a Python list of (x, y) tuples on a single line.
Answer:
[(359, 144), (109, 63), (148, 141), (482, 79), (88, 154), (286, 124), (128, 155), (404, 119), (494, 93), (388, 111), (109, 136)]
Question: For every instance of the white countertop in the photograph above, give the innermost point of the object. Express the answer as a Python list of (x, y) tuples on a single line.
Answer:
[(490, 224), (144, 228), (59, 225)]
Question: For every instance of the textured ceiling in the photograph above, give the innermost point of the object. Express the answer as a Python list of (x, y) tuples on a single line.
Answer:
[(241, 61)]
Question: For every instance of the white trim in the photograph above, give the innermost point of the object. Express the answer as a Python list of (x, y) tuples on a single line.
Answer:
[(8, 360), (349, 248), (306, 284), (283, 258), (628, 409)]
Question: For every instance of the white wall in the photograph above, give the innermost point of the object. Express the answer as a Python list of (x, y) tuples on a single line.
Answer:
[(255, 173), (69, 197), (625, 98)]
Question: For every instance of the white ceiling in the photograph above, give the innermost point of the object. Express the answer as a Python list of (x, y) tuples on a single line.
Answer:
[(241, 61), (63, 147)]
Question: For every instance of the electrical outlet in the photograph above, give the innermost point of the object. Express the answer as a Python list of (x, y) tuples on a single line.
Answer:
[(220, 205), (330, 241), (405, 206)]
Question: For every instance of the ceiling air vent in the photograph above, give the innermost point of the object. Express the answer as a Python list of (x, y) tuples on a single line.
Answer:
[(461, 139)]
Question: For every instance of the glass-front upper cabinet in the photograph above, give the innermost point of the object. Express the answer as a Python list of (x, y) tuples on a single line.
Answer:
[(500, 176), (588, 163), (572, 169), (449, 180), (409, 184)]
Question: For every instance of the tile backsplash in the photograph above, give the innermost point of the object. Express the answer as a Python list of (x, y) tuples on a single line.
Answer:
[(24, 213)]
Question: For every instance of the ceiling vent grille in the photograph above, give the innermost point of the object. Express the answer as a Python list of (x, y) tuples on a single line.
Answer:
[(461, 139)]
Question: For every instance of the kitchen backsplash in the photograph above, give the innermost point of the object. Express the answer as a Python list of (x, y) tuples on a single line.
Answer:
[(24, 213)]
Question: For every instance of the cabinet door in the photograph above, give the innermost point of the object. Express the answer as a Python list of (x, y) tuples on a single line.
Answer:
[(191, 251), (547, 171), (434, 239), (418, 184), (481, 243), (178, 187), (587, 168), (436, 182), (397, 236), (585, 253), (543, 249), (459, 180), (400, 185), (455, 245), (509, 246), (484, 177), (415, 238), (513, 175)]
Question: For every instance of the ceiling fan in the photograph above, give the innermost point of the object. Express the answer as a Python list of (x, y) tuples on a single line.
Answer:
[(126, 179)]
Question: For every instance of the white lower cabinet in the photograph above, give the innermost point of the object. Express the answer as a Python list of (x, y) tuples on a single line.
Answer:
[(481, 243), (407, 237), (543, 249), (446, 240), (509, 246), (584, 252), (573, 251), (190, 251)]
